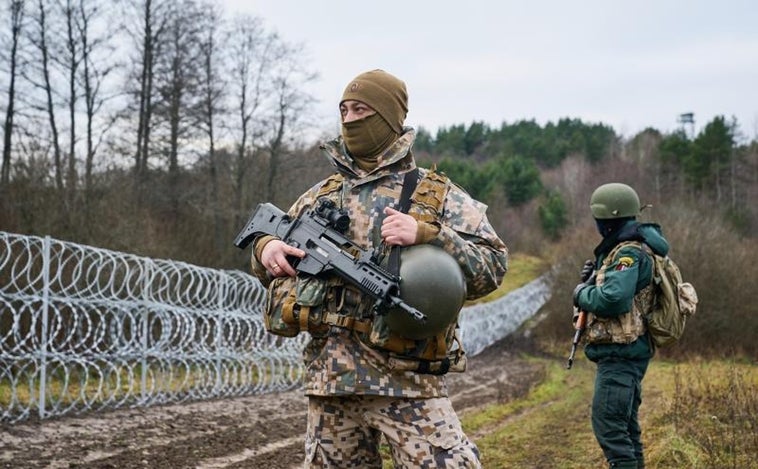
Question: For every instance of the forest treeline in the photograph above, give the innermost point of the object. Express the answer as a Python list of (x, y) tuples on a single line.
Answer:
[(158, 132), (129, 121), (513, 162)]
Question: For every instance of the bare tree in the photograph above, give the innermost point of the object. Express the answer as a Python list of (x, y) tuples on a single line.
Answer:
[(250, 55), (97, 63), (17, 22), (44, 83), (212, 91), (291, 103), (147, 35), (177, 78), (70, 63)]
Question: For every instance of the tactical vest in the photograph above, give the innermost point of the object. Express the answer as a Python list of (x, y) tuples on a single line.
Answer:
[(314, 305), (626, 328)]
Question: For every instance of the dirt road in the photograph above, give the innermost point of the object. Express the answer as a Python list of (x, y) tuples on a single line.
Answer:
[(249, 432)]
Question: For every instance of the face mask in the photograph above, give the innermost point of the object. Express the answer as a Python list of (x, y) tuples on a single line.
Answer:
[(367, 138), (609, 226)]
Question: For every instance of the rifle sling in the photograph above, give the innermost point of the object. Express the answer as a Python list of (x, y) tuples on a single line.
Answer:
[(404, 204)]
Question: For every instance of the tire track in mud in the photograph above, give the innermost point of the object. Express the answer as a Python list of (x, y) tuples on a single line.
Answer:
[(244, 432), (172, 437)]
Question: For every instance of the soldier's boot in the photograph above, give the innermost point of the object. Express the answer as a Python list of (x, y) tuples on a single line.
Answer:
[(626, 464)]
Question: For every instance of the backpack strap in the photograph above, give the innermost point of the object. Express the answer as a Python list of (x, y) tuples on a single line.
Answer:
[(643, 247), (612, 255)]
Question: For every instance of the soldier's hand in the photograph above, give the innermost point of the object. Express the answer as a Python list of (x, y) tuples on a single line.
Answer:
[(399, 228), (587, 269), (274, 258), (578, 289)]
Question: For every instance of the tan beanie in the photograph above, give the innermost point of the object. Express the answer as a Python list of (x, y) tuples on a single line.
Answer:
[(385, 93)]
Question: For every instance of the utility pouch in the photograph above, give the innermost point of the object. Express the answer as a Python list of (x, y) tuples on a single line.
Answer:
[(623, 329), (295, 304), (453, 362), (382, 337), (436, 355), (280, 298)]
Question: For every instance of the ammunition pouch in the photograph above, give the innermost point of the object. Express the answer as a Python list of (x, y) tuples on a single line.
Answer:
[(314, 304), (453, 361), (294, 305), (627, 327)]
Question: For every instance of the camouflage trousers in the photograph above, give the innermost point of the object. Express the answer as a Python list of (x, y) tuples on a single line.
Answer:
[(345, 431)]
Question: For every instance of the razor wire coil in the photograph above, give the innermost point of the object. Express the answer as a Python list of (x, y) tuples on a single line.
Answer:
[(86, 329)]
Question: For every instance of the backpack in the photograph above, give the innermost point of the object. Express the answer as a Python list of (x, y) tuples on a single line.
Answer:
[(675, 301)]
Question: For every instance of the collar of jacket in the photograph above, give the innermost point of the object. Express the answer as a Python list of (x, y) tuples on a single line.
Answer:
[(397, 158), (628, 232)]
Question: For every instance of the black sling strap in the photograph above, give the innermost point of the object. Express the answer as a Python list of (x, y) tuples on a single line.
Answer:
[(409, 185)]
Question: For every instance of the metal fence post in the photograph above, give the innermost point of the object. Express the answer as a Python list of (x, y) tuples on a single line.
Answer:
[(46, 266), (219, 330), (145, 330)]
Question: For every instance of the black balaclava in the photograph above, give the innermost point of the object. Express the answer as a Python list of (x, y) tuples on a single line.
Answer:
[(608, 226)]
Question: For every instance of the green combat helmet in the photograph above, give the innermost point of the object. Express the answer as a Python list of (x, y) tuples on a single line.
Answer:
[(614, 200), (432, 282)]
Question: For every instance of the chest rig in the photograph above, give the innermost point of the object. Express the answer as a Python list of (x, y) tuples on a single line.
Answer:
[(626, 328), (344, 306)]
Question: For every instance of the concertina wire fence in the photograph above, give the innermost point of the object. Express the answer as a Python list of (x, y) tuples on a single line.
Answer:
[(86, 329)]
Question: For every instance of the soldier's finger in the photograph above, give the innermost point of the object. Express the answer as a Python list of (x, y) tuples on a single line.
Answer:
[(293, 251)]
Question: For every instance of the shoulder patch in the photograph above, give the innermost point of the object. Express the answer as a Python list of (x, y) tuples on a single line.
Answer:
[(624, 263)]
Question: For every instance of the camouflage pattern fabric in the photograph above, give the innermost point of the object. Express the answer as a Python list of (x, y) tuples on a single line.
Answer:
[(424, 433), (626, 328), (341, 364), (338, 362)]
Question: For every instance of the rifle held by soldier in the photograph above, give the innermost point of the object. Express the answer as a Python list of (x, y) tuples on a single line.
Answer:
[(579, 325), (319, 231)]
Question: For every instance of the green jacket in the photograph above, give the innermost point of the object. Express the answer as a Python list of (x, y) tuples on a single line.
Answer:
[(631, 271)]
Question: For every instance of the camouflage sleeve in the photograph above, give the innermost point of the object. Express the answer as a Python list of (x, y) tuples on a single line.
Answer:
[(302, 203), (469, 237)]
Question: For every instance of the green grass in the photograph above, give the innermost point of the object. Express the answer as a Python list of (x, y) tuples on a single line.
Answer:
[(522, 269), (693, 414), (549, 427)]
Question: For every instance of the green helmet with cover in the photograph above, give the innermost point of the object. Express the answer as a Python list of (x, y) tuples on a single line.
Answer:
[(432, 282), (614, 200)]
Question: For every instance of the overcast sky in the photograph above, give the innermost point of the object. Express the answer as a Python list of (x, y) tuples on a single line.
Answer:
[(630, 65)]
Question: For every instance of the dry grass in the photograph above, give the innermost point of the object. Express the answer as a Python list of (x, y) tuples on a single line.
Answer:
[(708, 414), (720, 264), (700, 414)]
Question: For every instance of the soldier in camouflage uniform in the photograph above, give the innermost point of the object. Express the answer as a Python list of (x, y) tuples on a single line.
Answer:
[(357, 389), (617, 296)]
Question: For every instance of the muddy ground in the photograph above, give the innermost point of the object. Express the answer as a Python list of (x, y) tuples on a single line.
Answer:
[(249, 432)]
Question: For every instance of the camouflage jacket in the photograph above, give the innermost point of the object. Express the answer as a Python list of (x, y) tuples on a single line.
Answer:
[(338, 363)]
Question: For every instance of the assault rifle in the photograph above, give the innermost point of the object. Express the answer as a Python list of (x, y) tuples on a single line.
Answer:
[(579, 325), (319, 231)]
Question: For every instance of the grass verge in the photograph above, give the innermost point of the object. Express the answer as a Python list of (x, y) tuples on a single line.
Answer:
[(698, 414), (522, 269)]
